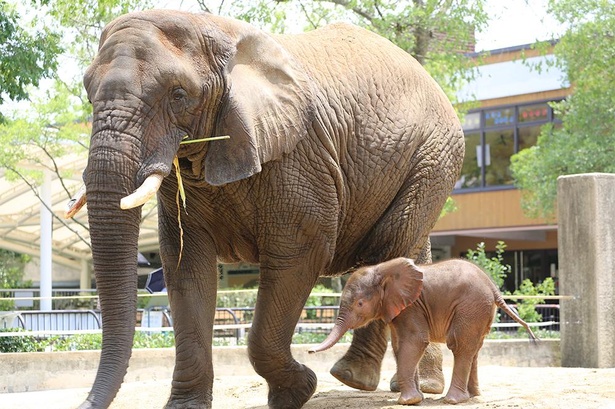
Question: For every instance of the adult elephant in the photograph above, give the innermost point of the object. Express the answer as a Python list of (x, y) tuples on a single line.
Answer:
[(342, 151)]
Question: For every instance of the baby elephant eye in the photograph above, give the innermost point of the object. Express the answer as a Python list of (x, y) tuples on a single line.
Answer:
[(360, 303)]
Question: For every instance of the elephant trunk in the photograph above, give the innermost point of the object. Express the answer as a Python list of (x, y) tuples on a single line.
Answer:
[(114, 235), (339, 329)]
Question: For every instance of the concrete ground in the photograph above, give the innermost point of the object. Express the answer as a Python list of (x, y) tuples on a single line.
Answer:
[(502, 387), (513, 374)]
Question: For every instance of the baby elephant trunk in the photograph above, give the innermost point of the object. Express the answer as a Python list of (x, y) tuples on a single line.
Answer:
[(338, 330)]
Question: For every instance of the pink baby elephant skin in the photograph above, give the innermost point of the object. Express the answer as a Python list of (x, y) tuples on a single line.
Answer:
[(450, 302)]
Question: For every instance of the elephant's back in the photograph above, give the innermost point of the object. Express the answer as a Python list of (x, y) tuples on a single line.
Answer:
[(342, 54)]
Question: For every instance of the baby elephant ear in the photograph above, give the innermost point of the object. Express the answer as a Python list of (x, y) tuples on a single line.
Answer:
[(402, 282)]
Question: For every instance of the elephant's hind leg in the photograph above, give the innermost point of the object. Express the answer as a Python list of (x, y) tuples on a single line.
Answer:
[(359, 368)]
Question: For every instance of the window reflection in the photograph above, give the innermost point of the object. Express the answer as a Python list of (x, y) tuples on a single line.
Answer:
[(471, 170), (499, 147), (528, 136), (493, 135)]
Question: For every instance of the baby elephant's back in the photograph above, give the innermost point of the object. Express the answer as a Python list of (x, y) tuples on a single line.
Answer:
[(458, 289)]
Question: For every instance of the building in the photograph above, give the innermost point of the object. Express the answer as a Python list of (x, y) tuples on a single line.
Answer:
[(512, 106)]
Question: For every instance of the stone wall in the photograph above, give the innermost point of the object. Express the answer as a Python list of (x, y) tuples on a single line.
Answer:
[(21, 372)]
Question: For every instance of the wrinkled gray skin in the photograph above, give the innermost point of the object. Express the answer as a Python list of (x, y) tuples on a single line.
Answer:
[(342, 152), (453, 301)]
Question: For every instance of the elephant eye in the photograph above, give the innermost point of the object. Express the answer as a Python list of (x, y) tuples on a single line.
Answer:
[(360, 303), (179, 94)]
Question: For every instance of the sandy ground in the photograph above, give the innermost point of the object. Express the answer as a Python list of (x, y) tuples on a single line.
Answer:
[(502, 387)]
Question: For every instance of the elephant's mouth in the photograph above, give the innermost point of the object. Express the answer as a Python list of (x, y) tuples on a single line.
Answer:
[(191, 162)]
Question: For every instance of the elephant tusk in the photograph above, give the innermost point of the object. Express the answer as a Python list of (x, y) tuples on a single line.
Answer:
[(148, 188), (75, 203)]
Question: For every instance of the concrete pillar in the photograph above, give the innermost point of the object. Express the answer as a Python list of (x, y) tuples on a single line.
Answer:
[(586, 241)]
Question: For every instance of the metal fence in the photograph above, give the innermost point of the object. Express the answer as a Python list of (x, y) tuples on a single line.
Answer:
[(230, 323)]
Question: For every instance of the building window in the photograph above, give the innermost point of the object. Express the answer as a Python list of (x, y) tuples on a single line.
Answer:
[(492, 136)]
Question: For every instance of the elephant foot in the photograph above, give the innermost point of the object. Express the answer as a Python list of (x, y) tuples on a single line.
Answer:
[(431, 385), (413, 397), (184, 403), (394, 385), (357, 374), (296, 390), (431, 377), (455, 396)]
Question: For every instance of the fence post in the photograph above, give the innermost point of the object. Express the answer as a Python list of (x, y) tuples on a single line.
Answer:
[(586, 241)]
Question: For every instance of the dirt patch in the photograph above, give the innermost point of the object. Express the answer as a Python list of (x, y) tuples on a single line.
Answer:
[(502, 387)]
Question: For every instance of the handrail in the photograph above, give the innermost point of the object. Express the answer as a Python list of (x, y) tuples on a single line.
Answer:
[(332, 295)]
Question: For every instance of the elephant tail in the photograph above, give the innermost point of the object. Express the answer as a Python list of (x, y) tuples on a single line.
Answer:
[(514, 315)]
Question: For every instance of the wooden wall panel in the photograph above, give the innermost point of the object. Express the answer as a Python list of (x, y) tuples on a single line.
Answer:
[(484, 210)]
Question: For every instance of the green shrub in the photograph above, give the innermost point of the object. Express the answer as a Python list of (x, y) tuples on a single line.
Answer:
[(317, 338), (319, 300), (20, 343), (236, 298), (527, 307), (494, 266)]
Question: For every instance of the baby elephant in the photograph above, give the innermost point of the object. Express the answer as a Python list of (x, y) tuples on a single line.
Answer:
[(453, 301)]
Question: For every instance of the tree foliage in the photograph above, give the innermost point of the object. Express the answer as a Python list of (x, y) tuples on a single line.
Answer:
[(437, 33), (27, 54), (56, 123), (584, 142), (11, 275), (494, 266)]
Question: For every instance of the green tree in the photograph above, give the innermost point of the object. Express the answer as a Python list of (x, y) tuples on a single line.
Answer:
[(437, 33), (27, 54), (493, 266), (11, 275), (585, 140), (57, 121)]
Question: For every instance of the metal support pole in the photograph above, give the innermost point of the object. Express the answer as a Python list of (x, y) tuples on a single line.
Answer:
[(45, 246)]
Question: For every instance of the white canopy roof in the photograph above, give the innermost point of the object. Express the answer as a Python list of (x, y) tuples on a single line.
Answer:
[(20, 209)]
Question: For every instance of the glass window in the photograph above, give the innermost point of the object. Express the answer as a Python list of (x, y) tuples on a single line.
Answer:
[(493, 135), (528, 136), (499, 147), (498, 117), (471, 170), (532, 113), (471, 121)]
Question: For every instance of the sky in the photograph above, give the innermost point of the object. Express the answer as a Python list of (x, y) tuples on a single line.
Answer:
[(516, 22), (513, 22)]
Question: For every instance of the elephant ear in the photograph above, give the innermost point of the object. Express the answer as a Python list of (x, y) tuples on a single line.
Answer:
[(266, 109), (402, 283)]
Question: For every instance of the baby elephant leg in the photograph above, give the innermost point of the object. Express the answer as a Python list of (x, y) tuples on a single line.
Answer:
[(473, 388), (409, 353), (431, 378), (464, 383), (458, 391)]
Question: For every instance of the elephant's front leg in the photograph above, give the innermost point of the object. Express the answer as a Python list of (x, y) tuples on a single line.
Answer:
[(281, 297), (192, 295)]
